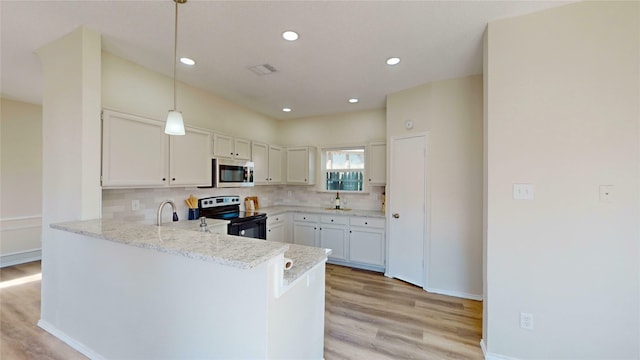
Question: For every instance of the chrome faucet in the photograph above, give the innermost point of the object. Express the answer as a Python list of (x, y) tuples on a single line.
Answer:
[(173, 208)]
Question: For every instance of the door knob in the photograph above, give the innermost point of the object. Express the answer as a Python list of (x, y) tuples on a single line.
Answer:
[(396, 215)]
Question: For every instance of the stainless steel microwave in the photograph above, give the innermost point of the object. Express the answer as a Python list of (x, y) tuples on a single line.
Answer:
[(228, 173)]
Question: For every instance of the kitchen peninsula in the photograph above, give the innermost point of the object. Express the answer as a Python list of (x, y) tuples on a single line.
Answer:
[(118, 289)]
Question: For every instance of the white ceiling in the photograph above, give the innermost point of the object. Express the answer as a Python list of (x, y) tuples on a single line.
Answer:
[(341, 52)]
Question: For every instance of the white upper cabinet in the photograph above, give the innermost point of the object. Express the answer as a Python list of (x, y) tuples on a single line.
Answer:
[(190, 162), (222, 146), (275, 164), (229, 147), (267, 160), (260, 158), (242, 148), (377, 163), (301, 165), (134, 151), (137, 153)]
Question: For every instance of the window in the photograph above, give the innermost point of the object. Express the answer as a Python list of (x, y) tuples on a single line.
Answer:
[(343, 168)]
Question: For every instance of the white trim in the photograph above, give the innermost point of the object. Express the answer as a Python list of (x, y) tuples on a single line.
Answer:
[(20, 222), (457, 294), (81, 348), (20, 257), (492, 356)]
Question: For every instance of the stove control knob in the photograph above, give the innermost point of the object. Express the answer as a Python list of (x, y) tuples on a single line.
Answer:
[(242, 232)]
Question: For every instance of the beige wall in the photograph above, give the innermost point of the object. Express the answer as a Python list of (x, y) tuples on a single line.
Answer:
[(563, 114), (133, 89), (20, 180), (351, 128), (451, 111)]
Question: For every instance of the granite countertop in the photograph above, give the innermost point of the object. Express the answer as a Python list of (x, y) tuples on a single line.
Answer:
[(304, 258), (181, 239), (194, 225), (281, 209)]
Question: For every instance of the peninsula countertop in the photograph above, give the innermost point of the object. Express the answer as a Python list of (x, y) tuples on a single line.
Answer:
[(184, 238)]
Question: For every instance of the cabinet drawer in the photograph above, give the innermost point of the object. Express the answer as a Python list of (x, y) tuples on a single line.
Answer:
[(276, 219), (343, 220), (368, 222), (306, 217)]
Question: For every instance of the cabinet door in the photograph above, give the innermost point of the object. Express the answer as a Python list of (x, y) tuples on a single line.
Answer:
[(304, 233), (366, 245), (242, 149), (134, 151), (377, 163), (223, 146), (300, 163), (275, 164), (190, 159), (276, 232), (334, 237), (260, 158)]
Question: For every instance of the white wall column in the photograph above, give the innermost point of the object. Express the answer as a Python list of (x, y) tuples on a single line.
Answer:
[(71, 104)]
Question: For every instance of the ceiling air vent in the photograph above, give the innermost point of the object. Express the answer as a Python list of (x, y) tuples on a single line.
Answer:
[(264, 69)]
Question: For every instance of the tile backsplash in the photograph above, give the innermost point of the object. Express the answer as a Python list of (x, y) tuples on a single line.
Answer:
[(117, 203)]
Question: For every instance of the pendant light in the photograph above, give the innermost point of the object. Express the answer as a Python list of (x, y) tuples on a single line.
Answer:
[(175, 124)]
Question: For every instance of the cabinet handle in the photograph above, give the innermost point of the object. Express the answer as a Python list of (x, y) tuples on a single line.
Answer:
[(396, 215), (173, 179), (369, 179), (269, 230), (366, 223), (350, 231), (331, 220), (236, 154), (305, 180), (315, 228), (164, 179)]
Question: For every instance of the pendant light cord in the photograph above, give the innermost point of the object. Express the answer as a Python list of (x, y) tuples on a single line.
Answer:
[(175, 55)]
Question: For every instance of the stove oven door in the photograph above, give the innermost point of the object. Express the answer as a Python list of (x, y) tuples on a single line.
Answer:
[(253, 228)]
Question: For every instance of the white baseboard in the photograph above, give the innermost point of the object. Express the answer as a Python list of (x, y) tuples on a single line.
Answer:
[(454, 294), (81, 348), (20, 257), (492, 356)]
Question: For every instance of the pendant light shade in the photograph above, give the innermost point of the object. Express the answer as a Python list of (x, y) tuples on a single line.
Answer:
[(175, 124)]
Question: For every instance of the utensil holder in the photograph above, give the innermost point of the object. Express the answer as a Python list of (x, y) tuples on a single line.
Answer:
[(193, 214)]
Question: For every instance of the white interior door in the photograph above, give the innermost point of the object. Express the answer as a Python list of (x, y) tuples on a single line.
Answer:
[(406, 208)]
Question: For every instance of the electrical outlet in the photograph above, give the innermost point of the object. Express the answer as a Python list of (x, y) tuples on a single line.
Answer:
[(526, 321), (135, 205)]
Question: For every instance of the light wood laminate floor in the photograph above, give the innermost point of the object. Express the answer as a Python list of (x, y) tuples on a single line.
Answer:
[(368, 316)]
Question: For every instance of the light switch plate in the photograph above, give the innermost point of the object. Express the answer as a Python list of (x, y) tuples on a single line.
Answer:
[(523, 191)]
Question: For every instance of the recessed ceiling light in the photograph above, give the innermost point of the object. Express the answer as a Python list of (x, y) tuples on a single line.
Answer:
[(393, 61), (290, 35), (187, 61), (286, 109), (353, 100)]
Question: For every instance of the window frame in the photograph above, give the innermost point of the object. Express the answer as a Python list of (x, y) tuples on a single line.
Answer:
[(322, 183)]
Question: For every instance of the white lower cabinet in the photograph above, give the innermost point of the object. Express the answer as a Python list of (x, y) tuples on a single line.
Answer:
[(277, 228), (305, 229), (334, 236), (354, 241), (366, 241)]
